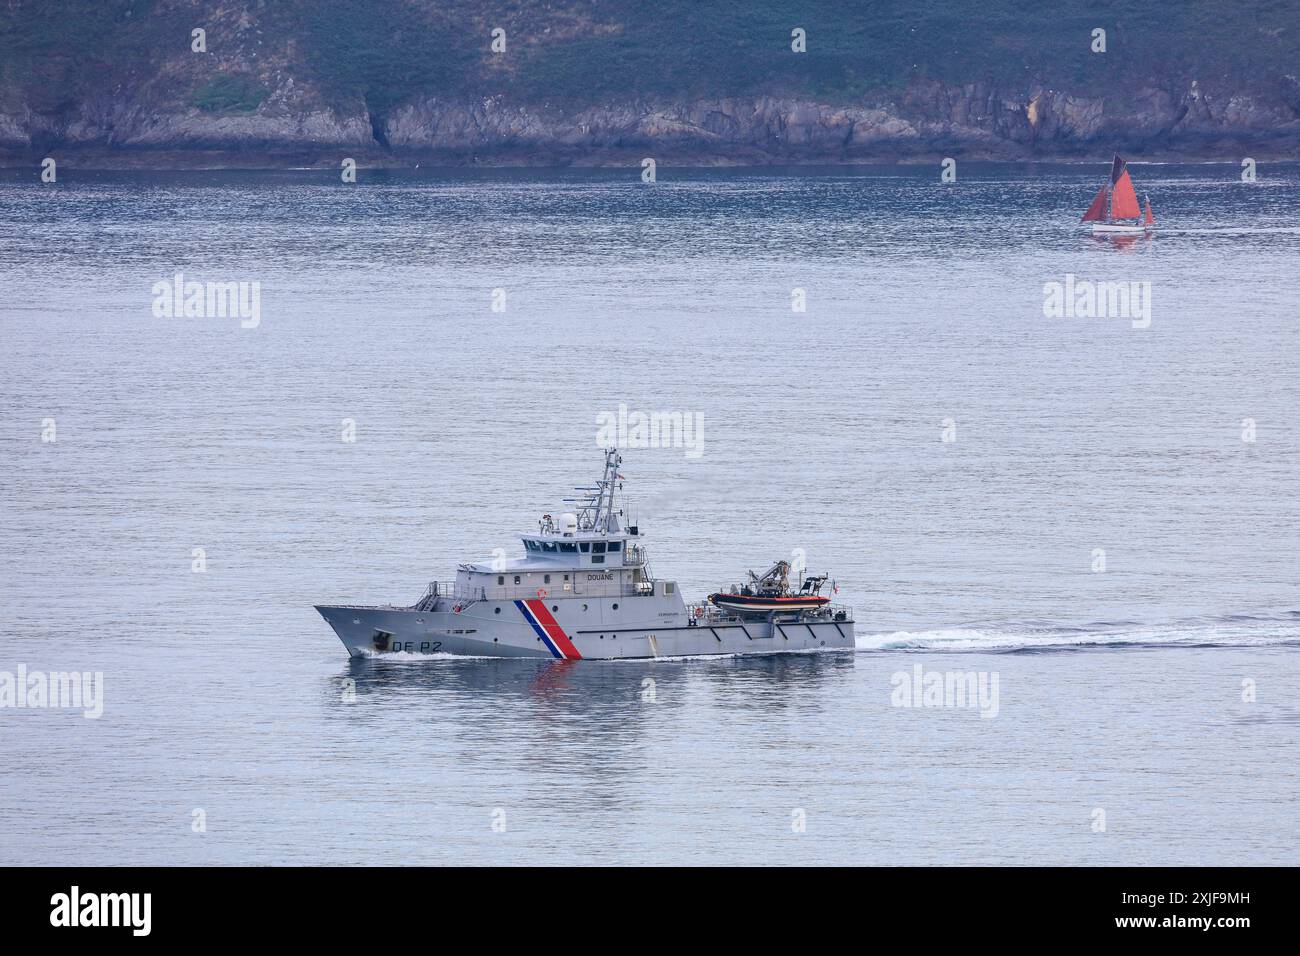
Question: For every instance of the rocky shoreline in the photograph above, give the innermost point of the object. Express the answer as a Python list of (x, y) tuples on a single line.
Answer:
[(923, 124)]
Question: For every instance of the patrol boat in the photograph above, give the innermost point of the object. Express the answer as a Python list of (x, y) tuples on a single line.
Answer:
[(583, 589)]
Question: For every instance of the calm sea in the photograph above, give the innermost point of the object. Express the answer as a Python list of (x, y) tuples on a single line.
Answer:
[(1095, 515)]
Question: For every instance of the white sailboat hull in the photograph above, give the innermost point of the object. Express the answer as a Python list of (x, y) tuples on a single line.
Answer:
[(1106, 228)]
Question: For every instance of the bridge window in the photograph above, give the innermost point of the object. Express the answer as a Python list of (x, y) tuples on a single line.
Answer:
[(546, 579), (548, 546), (615, 545), (598, 547), (501, 579), (585, 546), (569, 548), (597, 559), (516, 579)]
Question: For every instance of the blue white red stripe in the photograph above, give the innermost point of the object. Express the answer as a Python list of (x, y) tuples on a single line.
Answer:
[(548, 629)]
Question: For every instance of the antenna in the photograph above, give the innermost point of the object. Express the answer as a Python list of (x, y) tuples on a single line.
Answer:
[(597, 512)]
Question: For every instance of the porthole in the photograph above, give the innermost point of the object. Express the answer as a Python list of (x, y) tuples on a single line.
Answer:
[(555, 607), (496, 611), (584, 607), (615, 607)]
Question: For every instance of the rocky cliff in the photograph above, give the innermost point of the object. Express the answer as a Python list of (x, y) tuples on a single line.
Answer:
[(580, 81)]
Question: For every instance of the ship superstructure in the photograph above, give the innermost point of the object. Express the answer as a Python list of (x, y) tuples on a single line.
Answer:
[(583, 589)]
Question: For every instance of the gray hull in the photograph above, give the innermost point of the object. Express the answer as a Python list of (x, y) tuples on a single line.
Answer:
[(503, 629), (583, 591)]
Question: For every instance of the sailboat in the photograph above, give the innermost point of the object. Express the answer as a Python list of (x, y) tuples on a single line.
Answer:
[(1115, 207)]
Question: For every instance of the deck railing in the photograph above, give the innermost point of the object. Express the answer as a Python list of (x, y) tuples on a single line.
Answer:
[(451, 591), (456, 594)]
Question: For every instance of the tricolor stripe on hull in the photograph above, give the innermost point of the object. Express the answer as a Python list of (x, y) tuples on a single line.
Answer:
[(548, 629)]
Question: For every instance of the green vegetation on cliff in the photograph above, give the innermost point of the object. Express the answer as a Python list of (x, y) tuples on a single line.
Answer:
[(387, 51), (227, 93)]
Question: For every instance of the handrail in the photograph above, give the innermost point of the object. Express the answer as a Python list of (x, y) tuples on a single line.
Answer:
[(438, 590), (452, 591)]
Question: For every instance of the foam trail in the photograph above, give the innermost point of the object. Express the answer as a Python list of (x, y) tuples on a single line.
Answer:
[(1230, 631)]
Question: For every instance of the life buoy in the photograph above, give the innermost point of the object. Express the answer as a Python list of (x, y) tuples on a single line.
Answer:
[(456, 609), (699, 612), (542, 592)]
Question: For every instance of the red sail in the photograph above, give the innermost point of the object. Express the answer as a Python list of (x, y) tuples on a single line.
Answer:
[(1148, 219), (1124, 201), (1097, 211)]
